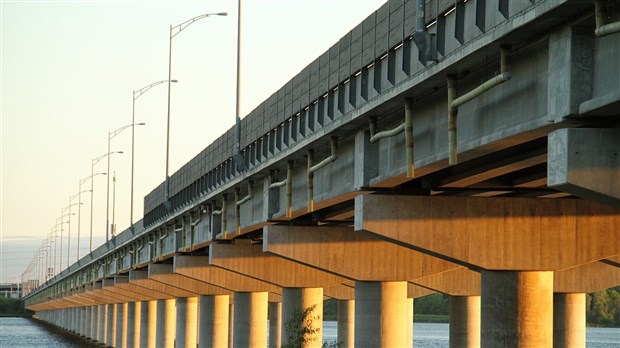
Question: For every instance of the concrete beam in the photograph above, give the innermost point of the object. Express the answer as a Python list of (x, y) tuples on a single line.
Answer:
[(109, 284), (250, 260), (495, 233), (198, 267), (585, 162), (164, 273), (457, 282), (122, 282), (351, 254), (586, 278), (141, 278)]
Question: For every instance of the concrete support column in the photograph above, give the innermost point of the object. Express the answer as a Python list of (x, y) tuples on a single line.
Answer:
[(133, 324), (87, 321), (121, 325), (110, 338), (516, 309), (231, 324), (148, 328), (187, 322), (166, 323), (71, 312), (275, 324), (101, 323), (250, 319), (295, 300), (410, 322), (381, 314), (569, 320), (346, 323), (214, 320), (94, 318), (464, 321)]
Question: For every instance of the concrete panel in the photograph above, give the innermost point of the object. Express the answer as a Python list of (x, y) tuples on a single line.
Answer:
[(586, 278), (495, 233), (353, 255), (141, 278), (164, 273), (198, 267), (585, 163), (250, 260)]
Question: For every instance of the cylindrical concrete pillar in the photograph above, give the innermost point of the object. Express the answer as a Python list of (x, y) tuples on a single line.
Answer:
[(94, 317), (148, 329), (275, 324), (250, 319), (516, 309), (71, 317), (231, 324), (306, 306), (214, 321), (110, 339), (166, 323), (187, 322), (381, 314), (121, 325), (346, 323), (87, 321), (569, 320), (410, 322), (133, 324), (102, 323), (464, 321)]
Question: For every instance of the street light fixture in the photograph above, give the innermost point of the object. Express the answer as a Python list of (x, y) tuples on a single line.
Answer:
[(136, 95), (107, 208), (178, 29)]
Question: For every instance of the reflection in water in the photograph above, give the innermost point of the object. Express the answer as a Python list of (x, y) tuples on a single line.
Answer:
[(30, 333)]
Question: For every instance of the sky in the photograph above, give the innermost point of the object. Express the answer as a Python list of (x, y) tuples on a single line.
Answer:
[(68, 72)]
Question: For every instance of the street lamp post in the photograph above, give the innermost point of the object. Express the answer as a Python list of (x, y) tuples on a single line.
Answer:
[(92, 173), (71, 198), (90, 177), (62, 222), (178, 29), (107, 209), (136, 95)]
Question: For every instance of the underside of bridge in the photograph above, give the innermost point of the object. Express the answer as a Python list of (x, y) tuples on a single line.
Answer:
[(486, 169)]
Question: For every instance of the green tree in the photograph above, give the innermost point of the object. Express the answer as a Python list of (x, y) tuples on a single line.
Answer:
[(603, 308), (300, 329)]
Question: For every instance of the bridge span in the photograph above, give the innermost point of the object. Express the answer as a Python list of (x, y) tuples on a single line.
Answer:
[(472, 153)]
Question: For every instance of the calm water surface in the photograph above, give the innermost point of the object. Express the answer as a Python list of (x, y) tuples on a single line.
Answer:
[(436, 335), (30, 333)]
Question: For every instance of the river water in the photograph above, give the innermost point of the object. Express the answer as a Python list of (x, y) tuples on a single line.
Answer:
[(30, 333)]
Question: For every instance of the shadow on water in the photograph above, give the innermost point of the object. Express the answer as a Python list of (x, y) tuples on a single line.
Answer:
[(28, 332)]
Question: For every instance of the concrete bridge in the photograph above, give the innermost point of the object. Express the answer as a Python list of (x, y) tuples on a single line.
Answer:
[(474, 153)]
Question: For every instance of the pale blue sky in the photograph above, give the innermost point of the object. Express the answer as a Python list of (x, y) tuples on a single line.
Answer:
[(68, 71)]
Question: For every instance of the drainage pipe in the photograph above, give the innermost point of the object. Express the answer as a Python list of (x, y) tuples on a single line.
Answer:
[(603, 29), (409, 136), (239, 202), (288, 182), (223, 213), (289, 189), (374, 137), (454, 103), (314, 167)]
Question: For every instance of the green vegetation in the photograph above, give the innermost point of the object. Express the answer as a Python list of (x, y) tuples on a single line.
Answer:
[(11, 307), (300, 329), (603, 308), (431, 318)]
